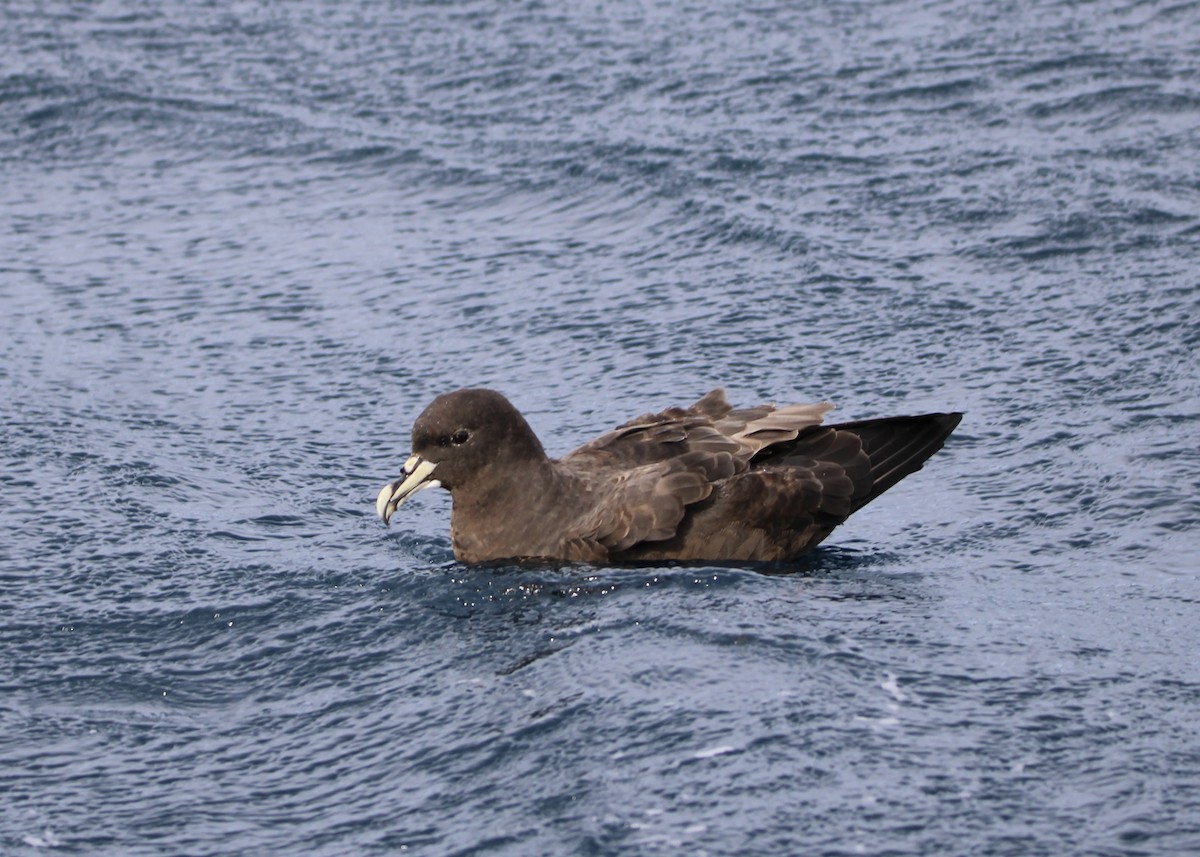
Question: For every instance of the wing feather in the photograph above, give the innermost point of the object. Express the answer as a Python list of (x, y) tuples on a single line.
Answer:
[(645, 474)]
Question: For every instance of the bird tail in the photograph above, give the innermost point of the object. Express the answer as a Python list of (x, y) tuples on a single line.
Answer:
[(898, 446)]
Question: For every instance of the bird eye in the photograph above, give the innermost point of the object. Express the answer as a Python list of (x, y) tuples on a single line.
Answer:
[(460, 437)]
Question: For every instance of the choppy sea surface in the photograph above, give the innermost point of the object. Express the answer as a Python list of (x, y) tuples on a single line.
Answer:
[(243, 244)]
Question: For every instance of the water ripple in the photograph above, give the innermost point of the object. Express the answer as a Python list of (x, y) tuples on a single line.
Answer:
[(249, 243)]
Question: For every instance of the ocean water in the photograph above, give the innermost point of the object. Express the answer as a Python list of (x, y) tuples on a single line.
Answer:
[(242, 246)]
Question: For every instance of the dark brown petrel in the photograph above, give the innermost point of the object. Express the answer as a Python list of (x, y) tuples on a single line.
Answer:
[(704, 483)]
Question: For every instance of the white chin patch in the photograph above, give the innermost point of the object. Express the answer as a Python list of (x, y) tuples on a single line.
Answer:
[(415, 475)]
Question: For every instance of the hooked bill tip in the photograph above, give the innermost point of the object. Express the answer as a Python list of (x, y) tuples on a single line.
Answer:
[(413, 478), (383, 501)]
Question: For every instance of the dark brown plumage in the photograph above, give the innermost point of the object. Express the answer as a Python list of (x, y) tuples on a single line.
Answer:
[(704, 483)]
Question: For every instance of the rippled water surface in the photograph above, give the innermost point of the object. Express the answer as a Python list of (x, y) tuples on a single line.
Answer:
[(244, 244)]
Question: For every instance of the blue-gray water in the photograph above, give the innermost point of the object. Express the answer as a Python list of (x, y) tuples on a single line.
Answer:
[(244, 244)]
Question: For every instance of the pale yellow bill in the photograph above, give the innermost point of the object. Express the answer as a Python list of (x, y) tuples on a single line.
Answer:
[(415, 473)]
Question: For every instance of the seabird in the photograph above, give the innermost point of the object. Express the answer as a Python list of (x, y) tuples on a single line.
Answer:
[(702, 483)]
